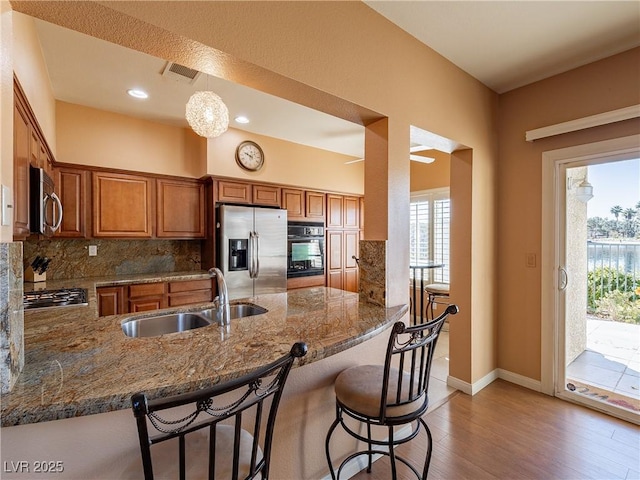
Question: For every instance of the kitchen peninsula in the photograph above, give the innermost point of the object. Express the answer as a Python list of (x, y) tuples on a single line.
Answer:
[(80, 364)]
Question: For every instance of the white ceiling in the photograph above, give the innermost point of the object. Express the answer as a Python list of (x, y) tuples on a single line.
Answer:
[(503, 44), (509, 44)]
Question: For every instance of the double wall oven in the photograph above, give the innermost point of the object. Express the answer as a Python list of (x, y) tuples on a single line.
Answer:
[(305, 249)]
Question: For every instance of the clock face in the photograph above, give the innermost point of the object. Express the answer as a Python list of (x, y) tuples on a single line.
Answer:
[(249, 156)]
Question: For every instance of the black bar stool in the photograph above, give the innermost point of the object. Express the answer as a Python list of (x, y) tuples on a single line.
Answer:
[(434, 292), (389, 395), (199, 425)]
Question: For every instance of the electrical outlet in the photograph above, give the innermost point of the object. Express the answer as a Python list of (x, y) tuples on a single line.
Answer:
[(93, 250)]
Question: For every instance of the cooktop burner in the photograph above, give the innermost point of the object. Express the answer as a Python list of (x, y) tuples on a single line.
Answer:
[(55, 298)]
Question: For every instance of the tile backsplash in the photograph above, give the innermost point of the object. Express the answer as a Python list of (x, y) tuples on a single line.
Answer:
[(70, 257)]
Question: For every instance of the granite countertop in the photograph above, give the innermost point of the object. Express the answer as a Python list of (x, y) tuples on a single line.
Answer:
[(77, 363)]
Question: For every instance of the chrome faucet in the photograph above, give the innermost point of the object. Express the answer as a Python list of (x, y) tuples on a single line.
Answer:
[(223, 311)]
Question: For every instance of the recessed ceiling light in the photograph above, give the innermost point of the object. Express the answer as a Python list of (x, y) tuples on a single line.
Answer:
[(137, 93), (241, 119)]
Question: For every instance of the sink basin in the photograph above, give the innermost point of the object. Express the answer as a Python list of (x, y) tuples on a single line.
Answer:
[(181, 322), (162, 324), (237, 310)]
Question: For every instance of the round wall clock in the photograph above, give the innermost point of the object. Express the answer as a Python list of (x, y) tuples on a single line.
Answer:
[(249, 156)]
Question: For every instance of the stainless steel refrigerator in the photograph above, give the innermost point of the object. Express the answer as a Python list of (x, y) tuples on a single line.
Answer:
[(252, 249)]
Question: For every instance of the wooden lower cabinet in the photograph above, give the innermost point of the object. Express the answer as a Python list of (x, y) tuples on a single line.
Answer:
[(144, 297), (147, 296), (190, 291), (111, 301)]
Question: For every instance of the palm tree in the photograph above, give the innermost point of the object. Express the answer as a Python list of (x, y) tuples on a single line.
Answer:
[(629, 214), (616, 211)]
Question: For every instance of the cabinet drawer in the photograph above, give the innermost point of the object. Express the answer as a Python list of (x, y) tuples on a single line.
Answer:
[(190, 285), (186, 298), (146, 289)]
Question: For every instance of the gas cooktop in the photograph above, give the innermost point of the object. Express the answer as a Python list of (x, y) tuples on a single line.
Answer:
[(64, 297)]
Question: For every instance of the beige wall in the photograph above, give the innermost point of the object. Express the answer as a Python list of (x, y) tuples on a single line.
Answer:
[(88, 136), (286, 162), (427, 176), (603, 86), (30, 68), (6, 109)]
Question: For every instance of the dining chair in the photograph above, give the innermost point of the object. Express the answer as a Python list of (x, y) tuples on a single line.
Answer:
[(222, 432), (392, 396)]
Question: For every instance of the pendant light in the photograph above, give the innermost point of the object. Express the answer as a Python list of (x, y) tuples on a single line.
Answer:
[(207, 114)]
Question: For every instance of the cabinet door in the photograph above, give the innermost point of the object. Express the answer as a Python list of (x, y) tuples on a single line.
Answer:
[(293, 202), (111, 300), (335, 254), (266, 195), (234, 192), (71, 187), (122, 205), (21, 145), (334, 211), (351, 250), (351, 209), (315, 202), (181, 209), (35, 148)]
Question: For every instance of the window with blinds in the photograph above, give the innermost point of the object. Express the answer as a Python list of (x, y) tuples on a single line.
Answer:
[(429, 236)]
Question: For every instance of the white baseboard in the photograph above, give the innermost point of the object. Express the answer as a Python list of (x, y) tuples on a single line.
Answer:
[(521, 380), (472, 389)]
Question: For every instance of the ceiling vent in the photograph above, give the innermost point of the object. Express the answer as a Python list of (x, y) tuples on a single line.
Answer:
[(180, 73)]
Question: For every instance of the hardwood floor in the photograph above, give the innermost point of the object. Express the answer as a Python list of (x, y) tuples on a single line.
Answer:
[(509, 432)]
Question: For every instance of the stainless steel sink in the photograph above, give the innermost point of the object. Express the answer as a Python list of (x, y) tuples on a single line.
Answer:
[(237, 310), (163, 324), (152, 326)]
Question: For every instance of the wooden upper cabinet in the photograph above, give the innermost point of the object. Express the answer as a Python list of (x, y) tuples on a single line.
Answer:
[(294, 202), (351, 210), (21, 147), (315, 202), (180, 209), (122, 205), (266, 195), (71, 187), (234, 192), (334, 210)]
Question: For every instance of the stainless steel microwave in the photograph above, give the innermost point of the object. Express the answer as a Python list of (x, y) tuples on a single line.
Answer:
[(45, 206)]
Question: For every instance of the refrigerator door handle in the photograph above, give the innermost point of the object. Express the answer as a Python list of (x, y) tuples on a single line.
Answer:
[(257, 240), (252, 256)]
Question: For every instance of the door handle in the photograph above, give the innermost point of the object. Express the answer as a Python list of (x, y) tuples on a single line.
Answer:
[(59, 204), (252, 255), (563, 279), (257, 240)]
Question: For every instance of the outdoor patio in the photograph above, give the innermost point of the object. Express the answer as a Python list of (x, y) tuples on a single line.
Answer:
[(611, 362)]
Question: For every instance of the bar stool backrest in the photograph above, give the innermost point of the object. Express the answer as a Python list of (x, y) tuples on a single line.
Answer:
[(407, 366), (208, 416)]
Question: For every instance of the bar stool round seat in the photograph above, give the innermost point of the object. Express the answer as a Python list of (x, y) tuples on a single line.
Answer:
[(387, 397), (434, 291)]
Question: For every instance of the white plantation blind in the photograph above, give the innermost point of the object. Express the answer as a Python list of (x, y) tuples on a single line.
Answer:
[(430, 213)]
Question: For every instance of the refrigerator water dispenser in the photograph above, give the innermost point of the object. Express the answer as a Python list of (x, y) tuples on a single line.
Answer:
[(238, 254)]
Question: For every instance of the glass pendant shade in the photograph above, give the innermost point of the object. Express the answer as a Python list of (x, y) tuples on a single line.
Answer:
[(207, 114)]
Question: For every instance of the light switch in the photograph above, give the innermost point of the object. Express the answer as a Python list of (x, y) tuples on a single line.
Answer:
[(93, 250), (6, 206), (531, 260)]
